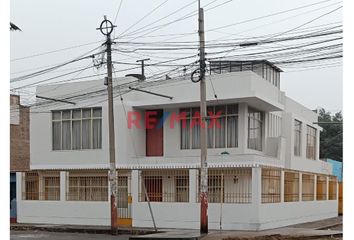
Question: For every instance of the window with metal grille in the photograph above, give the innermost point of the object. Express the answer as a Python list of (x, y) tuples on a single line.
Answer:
[(308, 187), (332, 194), (311, 143), (82, 187), (255, 129), (77, 129), (291, 187), (297, 138), (221, 124), (41, 185), (51, 187), (270, 185), (164, 185), (229, 185), (31, 186), (321, 185)]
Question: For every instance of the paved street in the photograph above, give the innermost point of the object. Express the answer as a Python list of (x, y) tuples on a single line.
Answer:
[(40, 235)]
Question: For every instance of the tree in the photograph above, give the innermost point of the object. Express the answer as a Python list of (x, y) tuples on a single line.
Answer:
[(331, 138)]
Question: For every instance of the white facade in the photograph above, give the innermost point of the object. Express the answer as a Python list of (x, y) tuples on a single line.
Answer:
[(247, 89)]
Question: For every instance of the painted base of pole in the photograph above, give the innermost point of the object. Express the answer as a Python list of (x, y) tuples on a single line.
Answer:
[(114, 215), (203, 212)]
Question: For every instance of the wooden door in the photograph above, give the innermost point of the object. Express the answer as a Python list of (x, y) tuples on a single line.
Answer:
[(154, 135)]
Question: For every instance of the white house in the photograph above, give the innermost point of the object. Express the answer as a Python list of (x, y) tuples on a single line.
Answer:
[(263, 157)]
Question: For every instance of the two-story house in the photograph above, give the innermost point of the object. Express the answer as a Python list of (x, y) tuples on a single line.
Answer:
[(263, 153)]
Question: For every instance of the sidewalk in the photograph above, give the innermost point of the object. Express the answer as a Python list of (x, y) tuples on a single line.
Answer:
[(303, 231)]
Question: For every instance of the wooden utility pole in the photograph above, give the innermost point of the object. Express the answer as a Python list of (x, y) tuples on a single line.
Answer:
[(203, 129), (106, 29)]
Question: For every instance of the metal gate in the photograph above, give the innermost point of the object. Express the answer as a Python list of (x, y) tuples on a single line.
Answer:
[(124, 201)]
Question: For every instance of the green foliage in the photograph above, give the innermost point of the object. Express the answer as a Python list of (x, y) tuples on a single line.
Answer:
[(331, 138)]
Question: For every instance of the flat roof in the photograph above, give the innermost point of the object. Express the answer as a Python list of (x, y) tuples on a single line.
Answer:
[(249, 61)]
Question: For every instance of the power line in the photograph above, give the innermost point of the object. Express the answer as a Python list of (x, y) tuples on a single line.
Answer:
[(53, 51)]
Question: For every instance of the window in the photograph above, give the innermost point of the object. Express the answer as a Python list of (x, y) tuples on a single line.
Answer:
[(308, 187), (42, 185), (77, 129), (270, 185), (311, 143), (229, 185), (164, 186), (31, 185), (52, 187), (87, 188), (182, 188), (332, 194), (291, 187), (255, 129), (223, 134), (297, 136), (321, 187)]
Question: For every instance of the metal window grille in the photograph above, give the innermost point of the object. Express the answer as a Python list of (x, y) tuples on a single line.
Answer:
[(297, 136), (51, 186), (255, 129), (31, 186), (311, 143), (229, 185), (87, 186), (77, 129), (291, 186), (41, 185), (332, 194), (308, 187), (271, 185), (164, 185), (321, 185), (224, 134)]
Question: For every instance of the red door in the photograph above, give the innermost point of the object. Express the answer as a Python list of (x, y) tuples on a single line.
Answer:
[(154, 134)]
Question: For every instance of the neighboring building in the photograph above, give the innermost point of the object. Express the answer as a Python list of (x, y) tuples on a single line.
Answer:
[(19, 146), (337, 168), (263, 158)]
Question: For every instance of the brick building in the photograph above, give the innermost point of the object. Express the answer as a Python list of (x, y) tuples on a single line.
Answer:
[(19, 146)]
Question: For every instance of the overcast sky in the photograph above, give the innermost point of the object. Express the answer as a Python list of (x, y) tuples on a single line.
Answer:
[(51, 25)]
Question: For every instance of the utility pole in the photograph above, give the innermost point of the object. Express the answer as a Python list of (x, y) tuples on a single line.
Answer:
[(143, 66), (203, 129), (106, 29)]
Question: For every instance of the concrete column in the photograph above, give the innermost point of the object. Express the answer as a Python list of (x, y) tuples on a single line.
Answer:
[(265, 132), (282, 184), (19, 197), (193, 189), (327, 188), (256, 186), (243, 127), (256, 195), (300, 187), (134, 190), (62, 186), (108, 188), (303, 140), (19, 190), (315, 190), (317, 144)]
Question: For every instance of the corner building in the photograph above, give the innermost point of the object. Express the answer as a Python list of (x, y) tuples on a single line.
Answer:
[(263, 160)]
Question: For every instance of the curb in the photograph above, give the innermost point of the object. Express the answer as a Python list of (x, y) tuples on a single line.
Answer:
[(79, 230)]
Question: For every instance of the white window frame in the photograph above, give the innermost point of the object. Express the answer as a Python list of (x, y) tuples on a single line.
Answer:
[(226, 115), (71, 119)]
